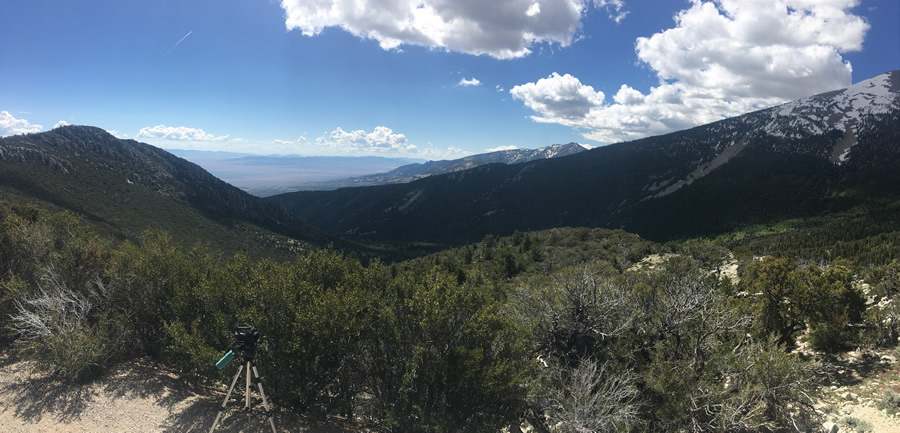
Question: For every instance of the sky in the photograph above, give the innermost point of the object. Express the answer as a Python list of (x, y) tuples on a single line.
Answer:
[(432, 79)]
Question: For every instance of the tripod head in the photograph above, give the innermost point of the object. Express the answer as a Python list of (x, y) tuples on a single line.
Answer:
[(245, 341)]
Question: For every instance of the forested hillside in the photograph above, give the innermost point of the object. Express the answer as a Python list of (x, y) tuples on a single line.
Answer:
[(809, 158), (124, 187), (566, 329)]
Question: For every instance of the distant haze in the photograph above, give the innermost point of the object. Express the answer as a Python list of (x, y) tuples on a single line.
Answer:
[(267, 175)]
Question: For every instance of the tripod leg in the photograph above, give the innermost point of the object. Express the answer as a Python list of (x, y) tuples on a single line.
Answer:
[(265, 402), (227, 395), (247, 390)]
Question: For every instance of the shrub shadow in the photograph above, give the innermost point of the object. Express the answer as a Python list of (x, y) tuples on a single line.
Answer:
[(38, 395), (850, 371), (190, 408)]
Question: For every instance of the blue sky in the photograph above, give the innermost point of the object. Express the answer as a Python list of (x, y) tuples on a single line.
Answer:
[(327, 78)]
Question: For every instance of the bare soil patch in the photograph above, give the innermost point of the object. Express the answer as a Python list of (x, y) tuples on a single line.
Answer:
[(136, 396)]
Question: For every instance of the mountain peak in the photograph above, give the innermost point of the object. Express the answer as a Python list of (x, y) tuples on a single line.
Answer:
[(840, 110), (83, 132), (126, 187)]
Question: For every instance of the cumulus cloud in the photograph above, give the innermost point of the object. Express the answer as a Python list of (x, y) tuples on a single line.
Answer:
[(299, 141), (721, 59), (466, 82), (9, 125), (180, 133), (60, 123), (499, 148), (559, 99), (381, 140), (503, 29), (456, 152)]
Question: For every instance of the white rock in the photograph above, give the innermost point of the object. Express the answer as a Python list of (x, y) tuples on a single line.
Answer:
[(830, 427)]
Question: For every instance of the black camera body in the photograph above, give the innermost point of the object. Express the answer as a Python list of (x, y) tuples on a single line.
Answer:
[(246, 337), (245, 340)]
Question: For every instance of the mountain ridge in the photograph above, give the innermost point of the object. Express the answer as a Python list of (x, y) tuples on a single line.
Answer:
[(128, 187), (637, 185), (412, 172)]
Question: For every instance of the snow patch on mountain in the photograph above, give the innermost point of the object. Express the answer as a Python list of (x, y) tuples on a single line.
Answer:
[(840, 110), (412, 172)]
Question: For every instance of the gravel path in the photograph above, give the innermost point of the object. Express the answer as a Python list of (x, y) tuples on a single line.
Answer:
[(860, 380), (138, 396)]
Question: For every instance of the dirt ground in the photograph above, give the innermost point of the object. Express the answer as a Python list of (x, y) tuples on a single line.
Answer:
[(143, 396), (859, 380), (137, 396)]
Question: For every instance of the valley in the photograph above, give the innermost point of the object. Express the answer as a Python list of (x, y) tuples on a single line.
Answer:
[(737, 276)]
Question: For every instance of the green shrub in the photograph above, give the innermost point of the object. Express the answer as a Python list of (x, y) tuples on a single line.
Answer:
[(448, 358), (857, 425), (54, 293), (776, 298), (785, 298), (66, 332), (827, 337), (890, 402)]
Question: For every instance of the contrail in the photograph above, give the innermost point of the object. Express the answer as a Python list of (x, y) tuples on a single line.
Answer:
[(176, 44)]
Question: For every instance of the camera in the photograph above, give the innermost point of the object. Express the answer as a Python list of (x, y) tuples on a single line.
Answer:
[(245, 339)]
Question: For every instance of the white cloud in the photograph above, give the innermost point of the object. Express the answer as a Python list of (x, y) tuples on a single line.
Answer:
[(456, 152), (116, 134), (502, 29), (499, 88), (180, 133), (381, 140), (466, 82), (499, 148), (559, 99), (9, 125), (614, 8), (299, 141), (60, 123), (721, 59)]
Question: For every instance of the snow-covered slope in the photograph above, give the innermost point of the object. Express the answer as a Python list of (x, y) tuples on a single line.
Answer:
[(841, 110), (824, 125)]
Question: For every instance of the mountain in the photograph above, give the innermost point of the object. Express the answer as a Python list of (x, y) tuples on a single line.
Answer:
[(265, 175), (823, 154), (411, 172), (125, 187)]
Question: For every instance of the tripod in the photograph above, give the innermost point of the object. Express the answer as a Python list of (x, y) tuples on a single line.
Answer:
[(249, 353)]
